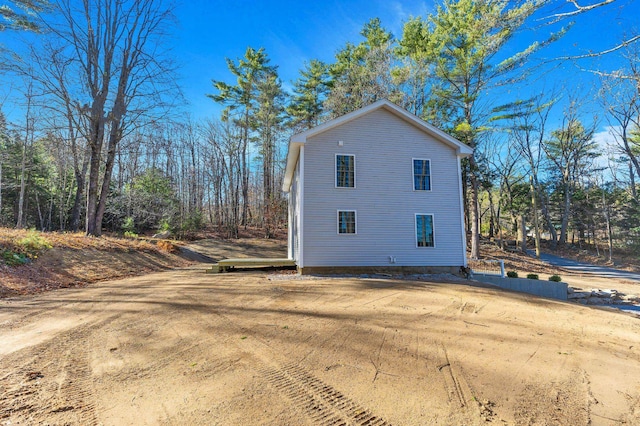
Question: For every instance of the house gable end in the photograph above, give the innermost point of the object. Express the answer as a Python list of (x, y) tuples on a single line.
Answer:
[(300, 139)]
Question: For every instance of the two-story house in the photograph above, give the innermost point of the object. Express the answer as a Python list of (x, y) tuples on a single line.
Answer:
[(377, 189)]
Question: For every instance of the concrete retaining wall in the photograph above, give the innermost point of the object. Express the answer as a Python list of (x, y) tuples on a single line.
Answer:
[(549, 289)]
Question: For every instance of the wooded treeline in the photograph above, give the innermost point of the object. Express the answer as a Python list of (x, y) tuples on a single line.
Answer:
[(103, 143)]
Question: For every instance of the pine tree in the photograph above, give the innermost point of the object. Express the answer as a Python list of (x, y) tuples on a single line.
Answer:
[(309, 93), (19, 14), (362, 73), (462, 42)]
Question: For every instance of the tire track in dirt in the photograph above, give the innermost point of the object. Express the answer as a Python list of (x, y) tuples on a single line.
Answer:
[(567, 402), (53, 385), (144, 362), (632, 416), (325, 405), (463, 402)]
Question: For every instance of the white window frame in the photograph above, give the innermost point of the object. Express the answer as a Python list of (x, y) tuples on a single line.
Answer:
[(433, 229), (355, 222), (413, 176), (335, 171)]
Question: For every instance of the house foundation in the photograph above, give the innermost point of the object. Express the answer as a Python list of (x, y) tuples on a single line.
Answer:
[(393, 270)]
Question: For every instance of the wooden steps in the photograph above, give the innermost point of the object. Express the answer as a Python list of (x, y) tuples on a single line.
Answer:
[(226, 265)]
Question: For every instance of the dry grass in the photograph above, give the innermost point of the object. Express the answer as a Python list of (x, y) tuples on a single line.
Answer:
[(524, 264), (10, 239), (622, 259), (517, 261), (58, 260)]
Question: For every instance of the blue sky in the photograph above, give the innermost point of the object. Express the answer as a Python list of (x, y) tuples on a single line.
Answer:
[(293, 32)]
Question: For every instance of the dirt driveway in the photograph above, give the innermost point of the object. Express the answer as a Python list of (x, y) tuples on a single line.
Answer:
[(254, 348)]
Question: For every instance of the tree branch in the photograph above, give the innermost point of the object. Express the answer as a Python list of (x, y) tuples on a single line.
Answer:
[(625, 43), (579, 9)]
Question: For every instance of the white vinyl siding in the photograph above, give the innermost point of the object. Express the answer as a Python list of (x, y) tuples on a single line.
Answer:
[(295, 215), (384, 146), (346, 222), (424, 230), (421, 174), (345, 171)]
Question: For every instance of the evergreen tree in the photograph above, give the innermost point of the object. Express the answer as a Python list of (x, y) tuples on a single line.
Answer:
[(241, 103), (571, 151), (362, 73), (309, 93), (19, 14), (462, 42), (268, 124)]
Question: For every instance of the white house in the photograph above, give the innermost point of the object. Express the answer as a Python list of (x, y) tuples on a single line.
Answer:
[(377, 189)]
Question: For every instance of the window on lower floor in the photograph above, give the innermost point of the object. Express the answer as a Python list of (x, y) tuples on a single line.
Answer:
[(346, 222), (424, 230)]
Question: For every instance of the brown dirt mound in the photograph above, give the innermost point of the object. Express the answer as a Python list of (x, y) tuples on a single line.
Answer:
[(76, 260)]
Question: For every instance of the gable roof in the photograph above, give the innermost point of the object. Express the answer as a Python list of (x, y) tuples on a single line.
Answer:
[(298, 140)]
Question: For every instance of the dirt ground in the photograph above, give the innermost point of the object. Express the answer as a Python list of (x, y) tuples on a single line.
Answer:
[(261, 348)]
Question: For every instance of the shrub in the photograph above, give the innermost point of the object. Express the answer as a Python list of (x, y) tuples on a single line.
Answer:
[(33, 242), (555, 278), (190, 225), (128, 226), (164, 226), (532, 276), (23, 250), (11, 258), (512, 274), (130, 234)]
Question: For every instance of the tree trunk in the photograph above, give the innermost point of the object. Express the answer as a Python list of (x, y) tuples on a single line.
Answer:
[(565, 215), (0, 191), (106, 177), (523, 234), (492, 215), (92, 193), (475, 213), (536, 226), (607, 219), (23, 186), (77, 201), (632, 182)]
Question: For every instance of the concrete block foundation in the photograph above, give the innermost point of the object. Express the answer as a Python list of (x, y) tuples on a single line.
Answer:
[(393, 270)]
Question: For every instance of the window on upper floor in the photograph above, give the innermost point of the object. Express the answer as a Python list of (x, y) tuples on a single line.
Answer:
[(345, 171), (346, 222), (424, 230), (421, 174)]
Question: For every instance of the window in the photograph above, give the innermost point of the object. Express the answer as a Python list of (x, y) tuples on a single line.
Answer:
[(421, 175), (424, 230), (346, 222), (345, 171)]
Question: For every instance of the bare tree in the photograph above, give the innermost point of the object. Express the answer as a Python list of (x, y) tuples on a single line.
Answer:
[(621, 99), (578, 9), (224, 154), (27, 142), (113, 49), (505, 164), (528, 122), (570, 150), (3, 146)]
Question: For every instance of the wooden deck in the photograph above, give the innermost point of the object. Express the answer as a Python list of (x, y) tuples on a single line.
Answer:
[(226, 265)]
